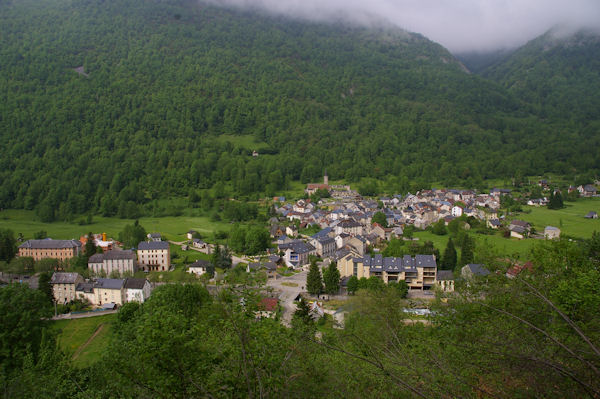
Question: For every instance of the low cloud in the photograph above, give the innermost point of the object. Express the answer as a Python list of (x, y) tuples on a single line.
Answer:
[(459, 25)]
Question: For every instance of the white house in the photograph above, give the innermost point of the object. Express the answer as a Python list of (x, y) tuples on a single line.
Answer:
[(154, 255), (199, 267), (113, 261), (551, 233), (456, 211), (137, 290)]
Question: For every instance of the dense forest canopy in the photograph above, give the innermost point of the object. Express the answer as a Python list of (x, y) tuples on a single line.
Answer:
[(164, 82)]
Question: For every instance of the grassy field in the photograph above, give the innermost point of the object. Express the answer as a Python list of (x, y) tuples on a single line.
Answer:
[(570, 220), (505, 246), (171, 227), (84, 339)]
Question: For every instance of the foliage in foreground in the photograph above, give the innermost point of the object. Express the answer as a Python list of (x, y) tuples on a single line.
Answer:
[(537, 335)]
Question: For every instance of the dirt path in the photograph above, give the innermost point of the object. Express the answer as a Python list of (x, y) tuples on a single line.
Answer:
[(90, 339)]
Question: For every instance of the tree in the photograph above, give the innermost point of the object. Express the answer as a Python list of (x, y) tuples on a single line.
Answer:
[(380, 218), (23, 312), (375, 283), (439, 228), (8, 245), (302, 313), (45, 287), (90, 247), (221, 257), (466, 251), (331, 278), (400, 286), (449, 258), (132, 235), (40, 235), (314, 282), (555, 201), (352, 285)]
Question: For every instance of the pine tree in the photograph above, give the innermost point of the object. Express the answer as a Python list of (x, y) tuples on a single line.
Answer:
[(314, 282), (90, 247), (466, 253), (331, 278), (450, 258), (302, 312)]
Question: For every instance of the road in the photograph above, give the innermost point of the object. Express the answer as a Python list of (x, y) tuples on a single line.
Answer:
[(287, 293), (68, 316)]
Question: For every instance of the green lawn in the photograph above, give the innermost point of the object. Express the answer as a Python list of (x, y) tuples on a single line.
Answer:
[(75, 333), (506, 246), (171, 227), (570, 220)]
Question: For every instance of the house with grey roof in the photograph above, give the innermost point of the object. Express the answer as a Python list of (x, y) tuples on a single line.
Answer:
[(137, 289), (114, 261), (472, 270), (296, 253), (551, 233), (199, 267), (63, 286), (49, 248), (419, 272), (324, 245), (154, 255), (109, 290), (591, 215), (445, 280)]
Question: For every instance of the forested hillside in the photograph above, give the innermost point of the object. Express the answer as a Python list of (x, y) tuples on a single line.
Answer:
[(173, 97), (559, 75)]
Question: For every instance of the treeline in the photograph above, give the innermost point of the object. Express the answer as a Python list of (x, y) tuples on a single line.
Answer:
[(178, 95), (536, 335)]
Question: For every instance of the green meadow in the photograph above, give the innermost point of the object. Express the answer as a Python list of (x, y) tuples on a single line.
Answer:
[(171, 227), (85, 339), (570, 220)]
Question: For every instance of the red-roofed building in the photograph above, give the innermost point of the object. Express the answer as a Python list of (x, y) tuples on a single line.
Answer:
[(516, 269), (267, 307)]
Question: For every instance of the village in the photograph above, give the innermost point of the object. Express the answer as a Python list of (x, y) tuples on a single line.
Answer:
[(332, 224)]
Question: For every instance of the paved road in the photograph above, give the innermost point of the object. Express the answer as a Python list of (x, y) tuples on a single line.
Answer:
[(287, 294), (68, 316)]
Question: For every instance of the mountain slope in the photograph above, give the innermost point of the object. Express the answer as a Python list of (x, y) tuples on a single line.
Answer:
[(559, 75), (176, 95)]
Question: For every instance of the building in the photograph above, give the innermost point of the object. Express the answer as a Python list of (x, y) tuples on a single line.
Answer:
[(473, 269), (199, 267), (349, 226), (551, 233), (418, 272), (63, 286), (113, 261), (445, 280), (109, 290), (591, 215), (296, 253), (49, 248), (154, 255), (137, 289), (154, 237), (324, 245)]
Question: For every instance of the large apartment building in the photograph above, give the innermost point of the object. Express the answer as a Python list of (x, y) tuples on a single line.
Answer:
[(49, 248), (113, 261), (418, 272), (154, 255)]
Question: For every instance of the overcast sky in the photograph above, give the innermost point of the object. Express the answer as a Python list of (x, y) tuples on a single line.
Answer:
[(459, 25)]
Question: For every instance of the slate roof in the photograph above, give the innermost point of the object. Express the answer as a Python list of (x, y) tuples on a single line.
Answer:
[(134, 283), (404, 264), (200, 263), (348, 223), (50, 244), (109, 283), (64, 278), (442, 275), (591, 215), (323, 233), (270, 266), (297, 246), (477, 269), (85, 287), (115, 254), (152, 245), (156, 235)]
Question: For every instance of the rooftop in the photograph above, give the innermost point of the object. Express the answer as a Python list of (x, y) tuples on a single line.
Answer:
[(152, 245), (50, 244)]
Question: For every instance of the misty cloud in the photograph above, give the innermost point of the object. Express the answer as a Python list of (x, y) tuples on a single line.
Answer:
[(460, 25)]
